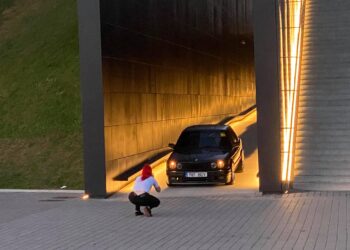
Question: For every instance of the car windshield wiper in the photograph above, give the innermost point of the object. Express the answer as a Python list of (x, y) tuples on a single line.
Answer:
[(186, 150), (207, 147)]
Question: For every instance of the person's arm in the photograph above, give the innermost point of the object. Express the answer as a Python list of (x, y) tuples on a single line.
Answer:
[(158, 189), (156, 186)]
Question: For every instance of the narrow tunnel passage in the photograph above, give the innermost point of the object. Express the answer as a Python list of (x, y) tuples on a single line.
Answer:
[(168, 65), (161, 66), (152, 68)]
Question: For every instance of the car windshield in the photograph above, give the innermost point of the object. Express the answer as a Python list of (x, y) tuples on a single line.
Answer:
[(196, 141)]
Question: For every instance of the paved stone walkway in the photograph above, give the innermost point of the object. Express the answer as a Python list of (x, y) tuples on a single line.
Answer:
[(205, 217), (188, 218)]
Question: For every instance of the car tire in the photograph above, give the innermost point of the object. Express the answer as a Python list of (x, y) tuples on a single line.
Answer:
[(232, 178), (240, 167), (169, 183)]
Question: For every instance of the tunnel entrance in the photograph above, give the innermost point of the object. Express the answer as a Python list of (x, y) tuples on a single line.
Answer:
[(167, 65), (153, 68)]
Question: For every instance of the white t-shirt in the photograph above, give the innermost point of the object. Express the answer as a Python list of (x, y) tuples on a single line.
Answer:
[(142, 186)]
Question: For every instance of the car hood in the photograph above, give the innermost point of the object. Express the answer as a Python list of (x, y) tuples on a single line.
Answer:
[(203, 156)]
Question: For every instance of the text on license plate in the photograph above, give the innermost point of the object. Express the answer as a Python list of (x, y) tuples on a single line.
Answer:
[(196, 174)]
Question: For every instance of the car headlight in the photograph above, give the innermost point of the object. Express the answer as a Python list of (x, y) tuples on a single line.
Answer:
[(172, 164), (220, 164), (179, 165), (213, 165)]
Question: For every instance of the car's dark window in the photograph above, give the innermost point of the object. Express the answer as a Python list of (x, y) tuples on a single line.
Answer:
[(233, 137), (190, 141)]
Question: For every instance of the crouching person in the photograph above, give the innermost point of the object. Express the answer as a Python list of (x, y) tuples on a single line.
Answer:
[(140, 195)]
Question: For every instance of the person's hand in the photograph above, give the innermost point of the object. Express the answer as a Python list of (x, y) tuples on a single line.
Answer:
[(157, 189)]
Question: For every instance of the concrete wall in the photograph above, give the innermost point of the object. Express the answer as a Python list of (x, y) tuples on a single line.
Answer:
[(92, 97), (169, 64), (266, 40), (322, 158)]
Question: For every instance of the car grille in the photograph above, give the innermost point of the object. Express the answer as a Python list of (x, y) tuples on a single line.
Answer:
[(196, 166)]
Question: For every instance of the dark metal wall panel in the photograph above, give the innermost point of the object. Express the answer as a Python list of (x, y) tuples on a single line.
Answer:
[(169, 64), (267, 94), (92, 97)]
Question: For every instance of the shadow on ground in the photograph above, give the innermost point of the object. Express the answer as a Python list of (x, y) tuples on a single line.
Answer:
[(249, 138)]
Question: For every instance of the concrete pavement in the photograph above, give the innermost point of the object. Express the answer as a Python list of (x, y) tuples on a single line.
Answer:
[(188, 218), (195, 217)]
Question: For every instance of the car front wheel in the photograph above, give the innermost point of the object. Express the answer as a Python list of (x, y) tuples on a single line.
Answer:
[(231, 178), (169, 183), (239, 168)]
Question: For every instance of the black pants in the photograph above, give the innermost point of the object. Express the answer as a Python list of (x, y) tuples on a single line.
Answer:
[(144, 199)]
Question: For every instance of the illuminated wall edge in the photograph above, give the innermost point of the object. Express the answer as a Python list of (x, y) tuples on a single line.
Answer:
[(290, 29)]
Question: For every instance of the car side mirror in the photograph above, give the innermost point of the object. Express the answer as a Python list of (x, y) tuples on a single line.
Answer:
[(236, 144), (171, 145)]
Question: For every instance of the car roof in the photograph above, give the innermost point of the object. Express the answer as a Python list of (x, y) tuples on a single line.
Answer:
[(206, 127)]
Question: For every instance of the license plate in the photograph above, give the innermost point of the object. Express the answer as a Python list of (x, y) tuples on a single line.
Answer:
[(196, 174)]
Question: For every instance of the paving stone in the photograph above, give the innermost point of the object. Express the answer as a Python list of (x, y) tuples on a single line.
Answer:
[(217, 221)]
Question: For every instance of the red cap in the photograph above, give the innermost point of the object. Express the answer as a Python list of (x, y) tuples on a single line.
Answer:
[(146, 172)]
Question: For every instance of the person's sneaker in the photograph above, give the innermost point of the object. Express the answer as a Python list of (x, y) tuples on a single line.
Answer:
[(137, 213), (147, 212)]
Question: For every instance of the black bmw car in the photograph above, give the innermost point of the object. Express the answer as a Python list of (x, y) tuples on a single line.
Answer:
[(205, 154)]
